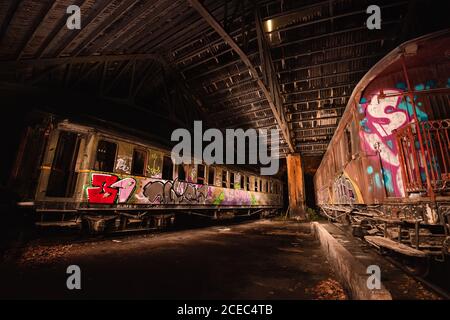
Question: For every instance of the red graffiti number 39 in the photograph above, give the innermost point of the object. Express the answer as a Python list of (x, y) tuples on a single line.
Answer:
[(101, 191)]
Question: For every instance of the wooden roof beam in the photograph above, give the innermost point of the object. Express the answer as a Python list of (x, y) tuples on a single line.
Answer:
[(306, 67), (331, 34), (346, 96), (81, 59), (250, 55), (40, 21)]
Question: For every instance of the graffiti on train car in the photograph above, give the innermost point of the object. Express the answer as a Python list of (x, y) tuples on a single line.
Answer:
[(175, 192), (232, 197), (107, 188), (384, 112), (154, 165), (121, 189), (344, 191), (124, 164)]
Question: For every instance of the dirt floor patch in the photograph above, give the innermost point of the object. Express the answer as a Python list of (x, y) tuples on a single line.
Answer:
[(254, 260), (39, 254)]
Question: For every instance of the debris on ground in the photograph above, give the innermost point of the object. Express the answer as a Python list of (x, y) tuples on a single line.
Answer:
[(329, 290), (39, 254), (416, 288)]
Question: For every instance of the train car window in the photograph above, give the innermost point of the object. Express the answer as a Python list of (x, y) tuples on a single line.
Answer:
[(154, 164), (181, 173), (63, 177), (200, 174), (167, 172), (139, 162), (224, 179), (260, 186), (348, 138), (247, 183), (106, 156), (232, 180), (256, 184), (242, 186), (211, 171)]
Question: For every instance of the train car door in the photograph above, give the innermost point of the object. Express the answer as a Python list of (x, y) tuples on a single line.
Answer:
[(63, 175)]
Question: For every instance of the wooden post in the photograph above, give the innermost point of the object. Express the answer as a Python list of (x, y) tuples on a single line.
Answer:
[(296, 186)]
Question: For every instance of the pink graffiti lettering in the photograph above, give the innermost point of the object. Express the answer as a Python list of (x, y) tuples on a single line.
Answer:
[(383, 117), (126, 187)]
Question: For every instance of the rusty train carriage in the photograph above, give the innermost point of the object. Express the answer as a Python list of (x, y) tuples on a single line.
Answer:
[(114, 181), (386, 169)]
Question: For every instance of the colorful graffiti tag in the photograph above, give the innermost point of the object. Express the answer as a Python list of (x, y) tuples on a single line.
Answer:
[(175, 192), (107, 188), (112, 189), (343, 191), (384, 113), (234, 197)]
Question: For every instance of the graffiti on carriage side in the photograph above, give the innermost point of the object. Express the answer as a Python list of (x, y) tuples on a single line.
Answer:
[(233, 197), (107, 188), (343, 191), (174, 192), (154, 165), (124, 164), (112, 189), (126, 187), (385, 113)]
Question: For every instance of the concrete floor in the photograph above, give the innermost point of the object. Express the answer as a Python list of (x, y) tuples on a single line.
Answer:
[(255, 260)]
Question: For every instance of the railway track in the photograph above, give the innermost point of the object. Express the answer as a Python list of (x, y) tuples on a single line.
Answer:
[(429, 280), (443, 293)]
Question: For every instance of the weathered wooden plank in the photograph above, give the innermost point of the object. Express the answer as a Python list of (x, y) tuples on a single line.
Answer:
[(395, 246)]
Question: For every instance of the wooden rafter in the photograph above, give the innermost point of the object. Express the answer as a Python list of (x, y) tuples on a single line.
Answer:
[(52, 35), (83, 59), (9, 15), (118, 12), (39, 22), (74, 35)]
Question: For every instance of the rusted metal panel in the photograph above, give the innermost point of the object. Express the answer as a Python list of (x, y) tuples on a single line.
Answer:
[(436, 143)]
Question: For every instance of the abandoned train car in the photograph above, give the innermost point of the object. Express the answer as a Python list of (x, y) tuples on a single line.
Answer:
[(78, 175), (387, 168)]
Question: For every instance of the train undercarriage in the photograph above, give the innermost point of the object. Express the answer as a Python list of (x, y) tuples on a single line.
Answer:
[(111, 221), (416, 231)]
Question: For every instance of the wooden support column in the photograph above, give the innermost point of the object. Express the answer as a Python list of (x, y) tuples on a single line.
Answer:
[(296, 186)]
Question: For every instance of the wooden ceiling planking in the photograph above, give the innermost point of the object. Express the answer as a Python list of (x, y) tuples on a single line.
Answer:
[(323, 50)]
